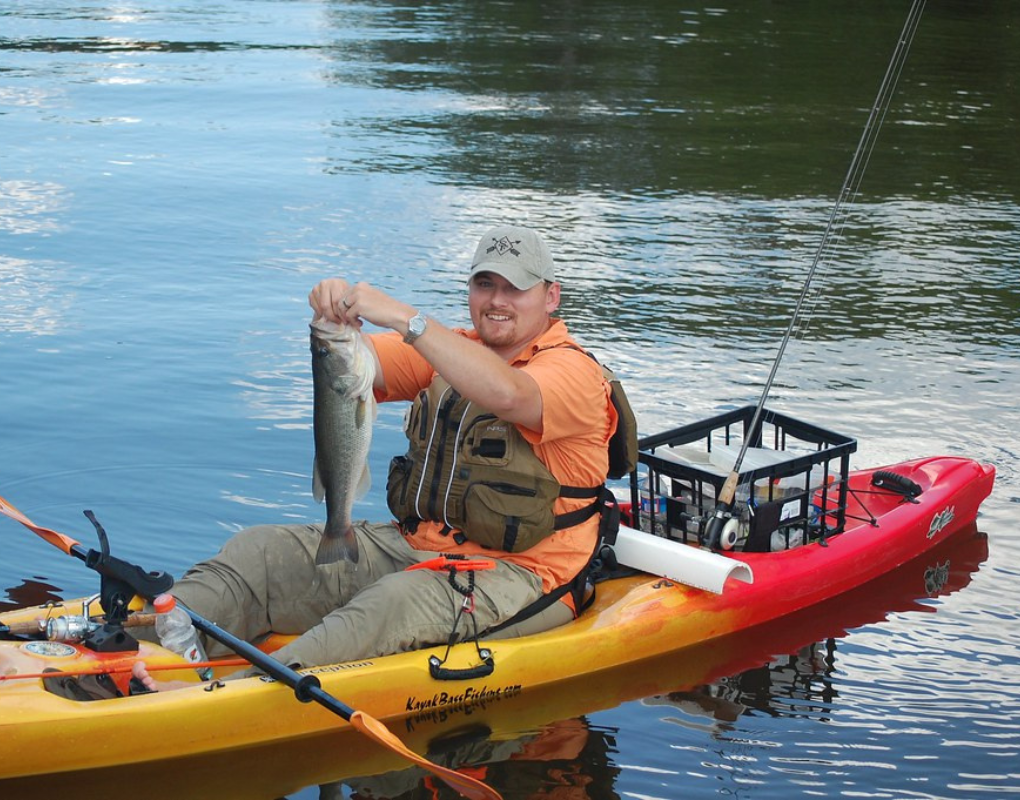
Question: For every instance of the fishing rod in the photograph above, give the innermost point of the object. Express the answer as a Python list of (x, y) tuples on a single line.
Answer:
[(723, 511)]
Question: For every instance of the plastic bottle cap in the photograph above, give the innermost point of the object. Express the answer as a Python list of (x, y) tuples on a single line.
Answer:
[(164, 603)]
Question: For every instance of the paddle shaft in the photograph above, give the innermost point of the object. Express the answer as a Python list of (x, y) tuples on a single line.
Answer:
[(306, 687)]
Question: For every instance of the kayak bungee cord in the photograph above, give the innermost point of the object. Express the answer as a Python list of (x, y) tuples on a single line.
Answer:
[(723, 511), (120, 576)]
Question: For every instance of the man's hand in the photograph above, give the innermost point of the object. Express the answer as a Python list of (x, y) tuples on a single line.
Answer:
[(327, 299), (337, 300)]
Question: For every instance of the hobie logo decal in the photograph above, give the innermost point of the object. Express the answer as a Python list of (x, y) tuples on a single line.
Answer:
[(940, 521)]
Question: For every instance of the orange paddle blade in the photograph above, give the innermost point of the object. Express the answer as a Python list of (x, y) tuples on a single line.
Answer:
[(58, 540), (467, 786)]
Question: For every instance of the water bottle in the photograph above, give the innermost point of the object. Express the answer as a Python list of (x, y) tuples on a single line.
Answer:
[(177, 633)]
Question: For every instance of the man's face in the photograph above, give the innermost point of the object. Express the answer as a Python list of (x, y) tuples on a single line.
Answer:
[(507, 318)]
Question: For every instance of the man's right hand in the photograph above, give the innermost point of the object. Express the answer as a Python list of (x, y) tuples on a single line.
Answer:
[(327, 299), (337, 300)]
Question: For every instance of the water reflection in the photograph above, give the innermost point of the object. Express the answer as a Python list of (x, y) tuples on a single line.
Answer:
[(30, 592), (649, 98), (32, 297)]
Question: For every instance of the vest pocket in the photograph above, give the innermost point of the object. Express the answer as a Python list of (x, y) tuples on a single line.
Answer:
[(509, 517), (488, 441), (397, 480)]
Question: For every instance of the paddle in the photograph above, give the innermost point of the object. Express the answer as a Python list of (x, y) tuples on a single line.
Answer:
[(306, 687)]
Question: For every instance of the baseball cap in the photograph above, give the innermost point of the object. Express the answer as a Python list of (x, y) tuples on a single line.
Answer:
[(517, 254)]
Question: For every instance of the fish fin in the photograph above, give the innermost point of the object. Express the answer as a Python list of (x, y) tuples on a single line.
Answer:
[(318, 490), (366, 411), (364, 483), (335, 547)]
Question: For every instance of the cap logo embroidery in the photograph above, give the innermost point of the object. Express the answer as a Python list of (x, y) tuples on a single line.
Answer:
[(504, 246)]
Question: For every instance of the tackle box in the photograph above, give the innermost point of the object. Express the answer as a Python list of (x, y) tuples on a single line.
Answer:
[(792, 485)]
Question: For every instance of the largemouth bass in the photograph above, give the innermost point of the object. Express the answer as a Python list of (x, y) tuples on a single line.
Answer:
[(343, 370)]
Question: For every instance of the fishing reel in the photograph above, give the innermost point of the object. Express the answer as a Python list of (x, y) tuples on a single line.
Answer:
[(722, 530), (73, 627)]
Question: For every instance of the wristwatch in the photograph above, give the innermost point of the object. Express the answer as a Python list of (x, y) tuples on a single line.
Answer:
[(415, 328)]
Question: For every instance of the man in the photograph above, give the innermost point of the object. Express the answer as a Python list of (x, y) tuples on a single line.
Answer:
[(532, 391)]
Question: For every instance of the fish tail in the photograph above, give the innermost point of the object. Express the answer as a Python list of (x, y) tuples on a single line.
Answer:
[(337, 546)]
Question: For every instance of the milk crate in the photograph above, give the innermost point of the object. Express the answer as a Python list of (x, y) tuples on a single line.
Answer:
[(792, 485)]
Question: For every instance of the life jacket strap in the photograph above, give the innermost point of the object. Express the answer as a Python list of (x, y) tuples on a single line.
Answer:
[(579, 515), (578, 586)]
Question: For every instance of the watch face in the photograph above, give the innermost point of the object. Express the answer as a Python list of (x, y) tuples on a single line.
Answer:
[(417, 325)]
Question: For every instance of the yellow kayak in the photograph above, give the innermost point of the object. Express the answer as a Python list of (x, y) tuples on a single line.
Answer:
[(635, 619)]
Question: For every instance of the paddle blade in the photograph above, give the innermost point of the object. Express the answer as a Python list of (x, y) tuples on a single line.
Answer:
[(467, 786), (58, 540)]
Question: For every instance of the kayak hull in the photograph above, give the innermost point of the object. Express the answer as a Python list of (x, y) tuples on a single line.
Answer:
[(634, 619)]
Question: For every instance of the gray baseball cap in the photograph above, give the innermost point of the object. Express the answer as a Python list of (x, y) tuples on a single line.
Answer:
[(517, 254)]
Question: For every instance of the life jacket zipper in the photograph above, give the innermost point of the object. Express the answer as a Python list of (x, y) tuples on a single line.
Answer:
[(428, 454), (442, 419), (454, 465)]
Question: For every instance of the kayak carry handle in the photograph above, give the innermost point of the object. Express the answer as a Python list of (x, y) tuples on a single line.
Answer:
[(894, 482), (441, 673)]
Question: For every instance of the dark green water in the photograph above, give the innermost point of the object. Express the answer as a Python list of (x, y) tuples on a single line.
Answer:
[(175, 177)]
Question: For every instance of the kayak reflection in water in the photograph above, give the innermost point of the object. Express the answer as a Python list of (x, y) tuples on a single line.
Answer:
[(564, 758), (520, 401)]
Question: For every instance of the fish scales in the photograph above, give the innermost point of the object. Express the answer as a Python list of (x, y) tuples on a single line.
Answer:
[(343, 373)]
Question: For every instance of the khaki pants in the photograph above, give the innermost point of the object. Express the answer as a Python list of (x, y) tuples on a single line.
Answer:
[(265, 579)]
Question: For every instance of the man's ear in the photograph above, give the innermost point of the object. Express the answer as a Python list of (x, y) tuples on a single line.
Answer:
[(552, 297)]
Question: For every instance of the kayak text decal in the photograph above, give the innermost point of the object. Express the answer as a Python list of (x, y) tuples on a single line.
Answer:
[(941, 520), (441, 705), (324, 670)]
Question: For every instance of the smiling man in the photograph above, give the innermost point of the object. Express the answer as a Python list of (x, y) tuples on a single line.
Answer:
[(508, 432)]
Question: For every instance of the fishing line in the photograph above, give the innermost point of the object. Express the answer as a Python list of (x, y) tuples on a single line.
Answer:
[(826, 249)]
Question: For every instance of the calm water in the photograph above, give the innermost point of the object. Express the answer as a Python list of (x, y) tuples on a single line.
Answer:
[(175, 177)]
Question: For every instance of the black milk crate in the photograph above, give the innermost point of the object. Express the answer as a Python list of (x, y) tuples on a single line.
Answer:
[(792, 485)]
